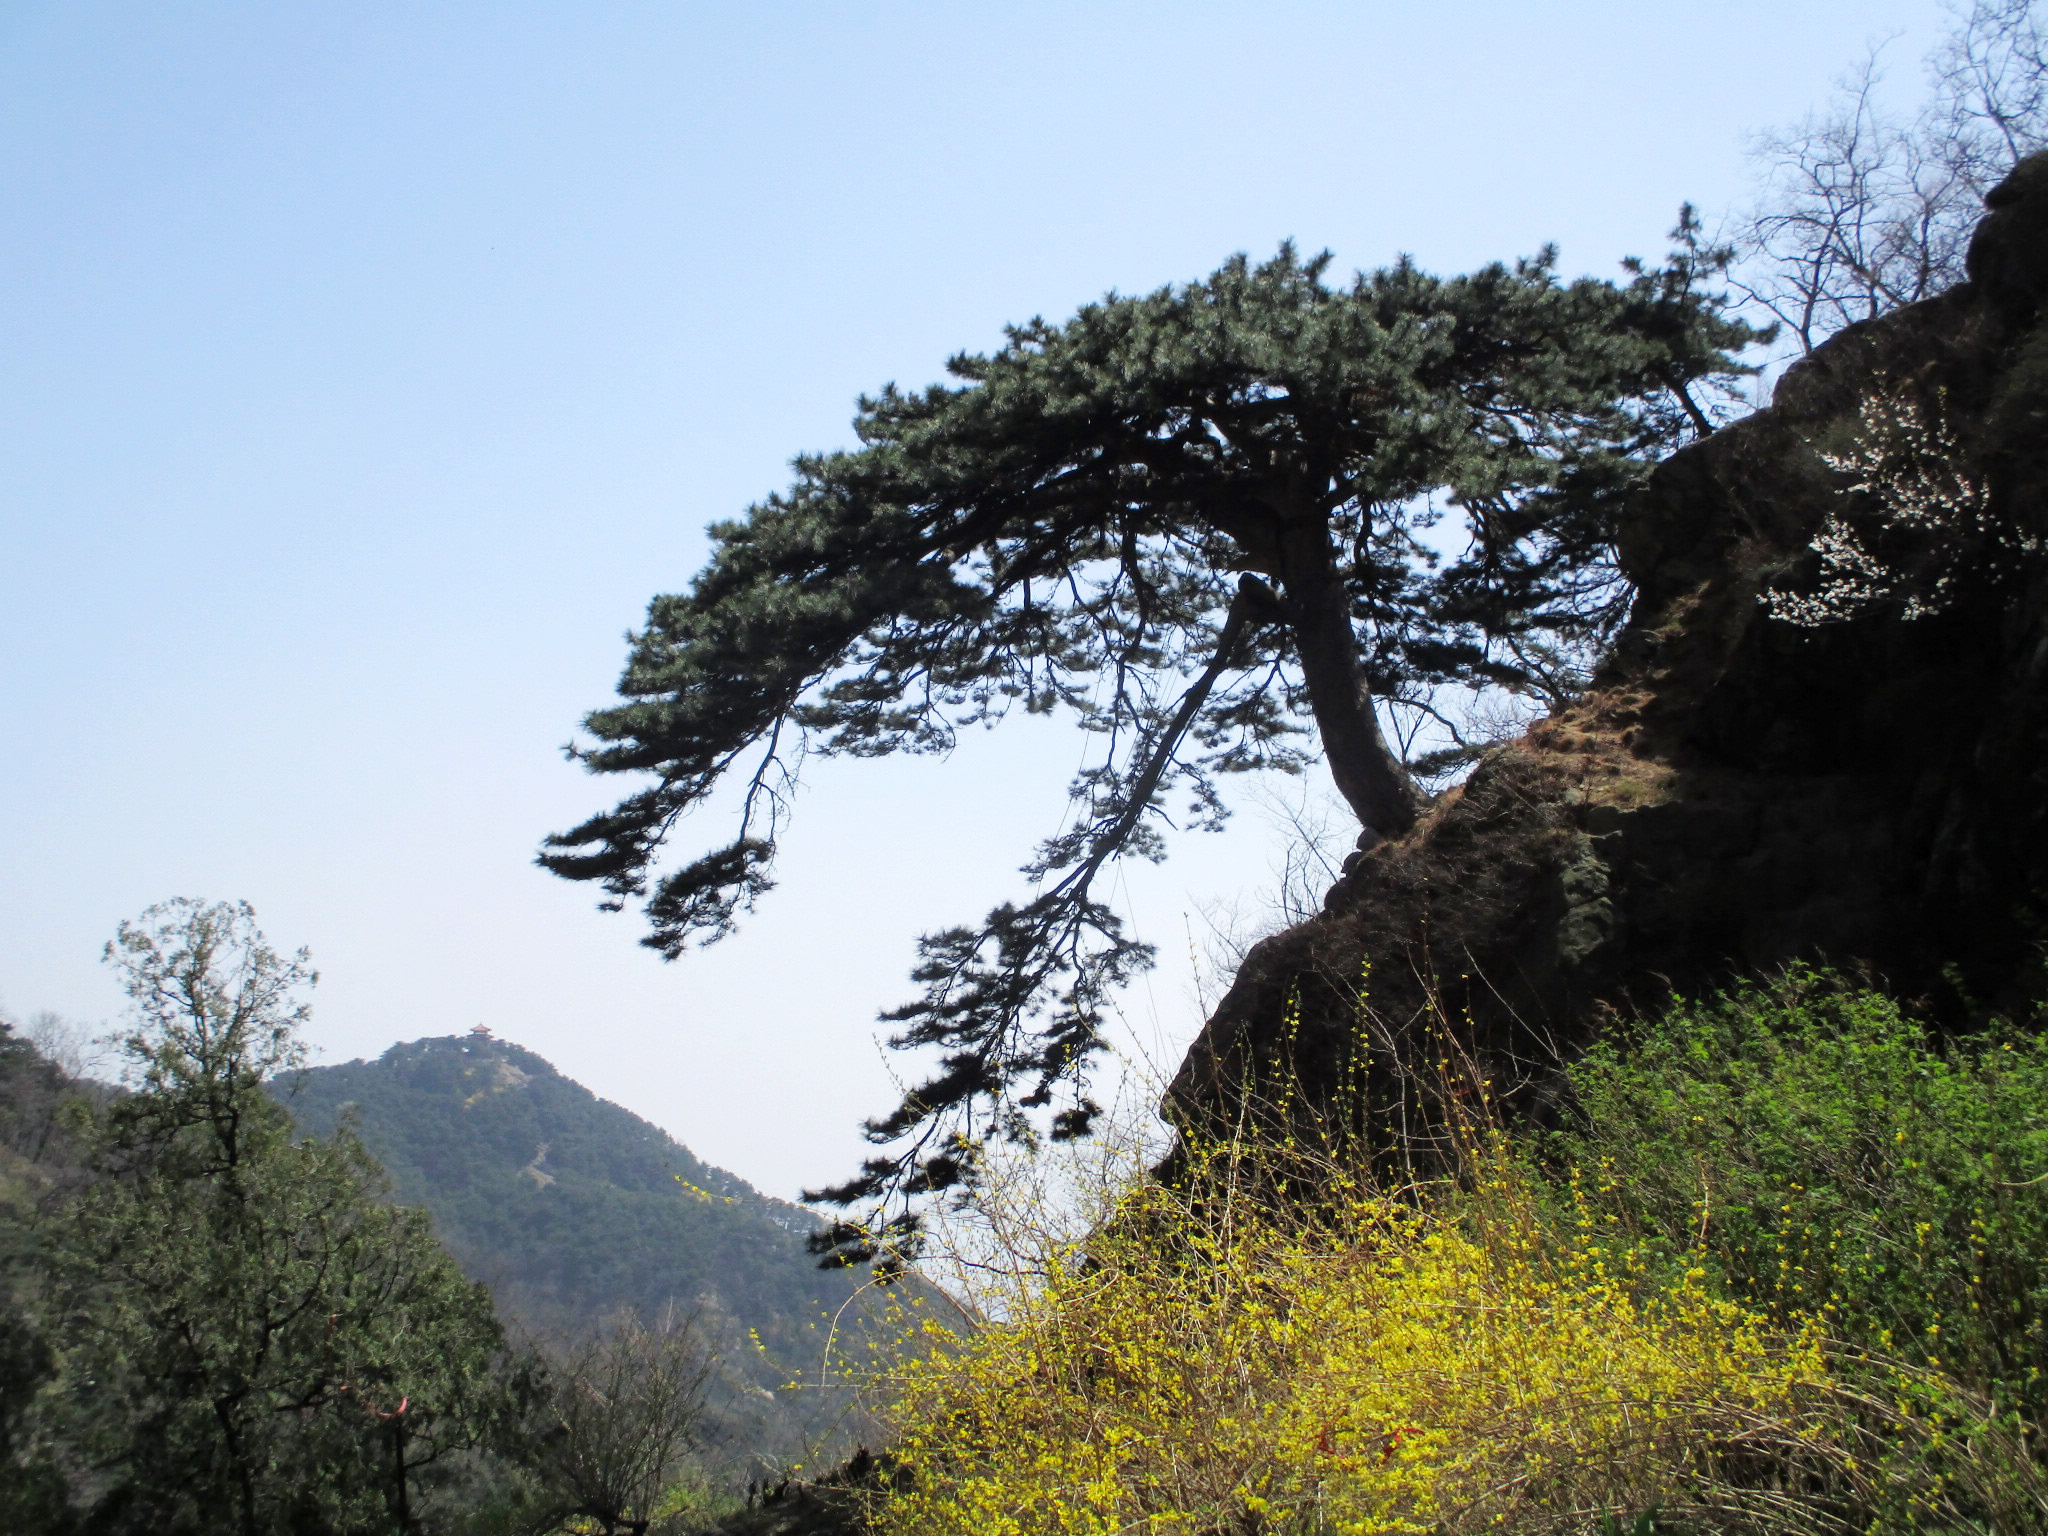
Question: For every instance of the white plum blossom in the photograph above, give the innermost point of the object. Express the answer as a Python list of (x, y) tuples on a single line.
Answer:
[(1912, 524)]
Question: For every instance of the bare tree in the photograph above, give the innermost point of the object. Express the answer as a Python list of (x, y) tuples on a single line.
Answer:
[(40, 1069), (1862, 209), (625, 1408), (70, 1046), (1991, 83)]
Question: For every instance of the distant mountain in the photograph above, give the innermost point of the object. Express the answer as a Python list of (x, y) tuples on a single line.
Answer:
[(569, 1208)]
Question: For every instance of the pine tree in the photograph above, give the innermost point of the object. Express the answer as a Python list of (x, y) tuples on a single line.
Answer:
[(1193, 520)]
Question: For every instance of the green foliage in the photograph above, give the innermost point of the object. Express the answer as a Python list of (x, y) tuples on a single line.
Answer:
[(1834, 1159), (1783, 1272), (32, 1492), (248, 1339), (1193, 520), (39, 1164), (572, 1208)]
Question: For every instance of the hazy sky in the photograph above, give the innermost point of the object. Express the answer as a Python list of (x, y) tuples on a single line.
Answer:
[(368, 367)]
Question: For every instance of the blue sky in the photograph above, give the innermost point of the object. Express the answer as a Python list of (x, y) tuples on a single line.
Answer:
[(370, 366)]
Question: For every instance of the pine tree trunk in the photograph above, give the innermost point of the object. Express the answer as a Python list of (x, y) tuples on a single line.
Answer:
[(1319, 612)]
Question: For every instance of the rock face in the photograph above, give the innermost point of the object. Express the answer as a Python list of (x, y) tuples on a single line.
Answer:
[(1738, 791)]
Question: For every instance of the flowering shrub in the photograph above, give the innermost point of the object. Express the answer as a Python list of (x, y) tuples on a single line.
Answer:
[(1779, 1271), (1390, 1364)]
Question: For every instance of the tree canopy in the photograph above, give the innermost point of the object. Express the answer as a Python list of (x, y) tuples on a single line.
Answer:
[(247, 1338), (1198, 521)]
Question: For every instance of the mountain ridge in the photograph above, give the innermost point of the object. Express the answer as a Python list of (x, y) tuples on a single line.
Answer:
[(572, 1208)]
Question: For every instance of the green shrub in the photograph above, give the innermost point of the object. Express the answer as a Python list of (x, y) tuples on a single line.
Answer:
[(1786, 1279), (1835, 1160)]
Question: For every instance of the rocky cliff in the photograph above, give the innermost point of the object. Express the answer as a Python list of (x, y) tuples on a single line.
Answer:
[(1740, 790)]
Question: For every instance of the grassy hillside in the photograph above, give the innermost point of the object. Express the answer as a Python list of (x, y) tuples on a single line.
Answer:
[(570, 1208)]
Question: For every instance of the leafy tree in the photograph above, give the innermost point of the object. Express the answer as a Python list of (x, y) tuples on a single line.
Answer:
[(1195, 520), (249, 1340)]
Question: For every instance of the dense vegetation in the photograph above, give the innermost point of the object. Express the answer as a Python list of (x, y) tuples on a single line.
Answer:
[(218, 1322), (1784, 1272), (571, 1208), (1839, 1163), (1779, 1266)]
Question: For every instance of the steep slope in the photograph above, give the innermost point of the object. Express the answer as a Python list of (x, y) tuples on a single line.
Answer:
[(1739, 791), (570, 1208)]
